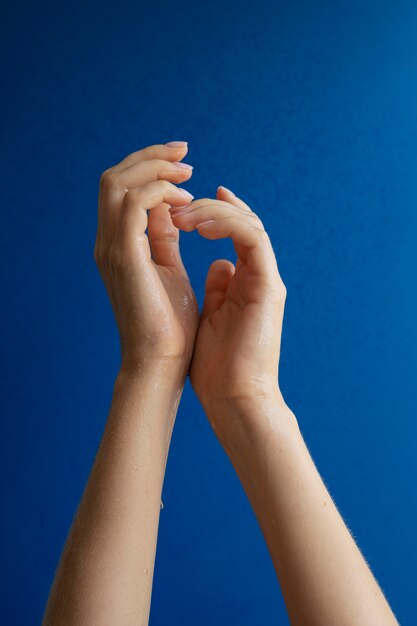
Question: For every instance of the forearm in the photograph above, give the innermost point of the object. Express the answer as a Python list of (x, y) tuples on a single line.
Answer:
[(324, 577), (106, 569)]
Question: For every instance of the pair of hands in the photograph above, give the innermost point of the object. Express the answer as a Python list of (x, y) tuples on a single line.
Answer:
[(231, 350)]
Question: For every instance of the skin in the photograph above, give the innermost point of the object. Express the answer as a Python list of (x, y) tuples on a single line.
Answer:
[(324, 578), (106, 568)]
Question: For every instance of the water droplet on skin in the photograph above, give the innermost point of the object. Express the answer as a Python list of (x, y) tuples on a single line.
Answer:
[(162, 505), (145, 571)]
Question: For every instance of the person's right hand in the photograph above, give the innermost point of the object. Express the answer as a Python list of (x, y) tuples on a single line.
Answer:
[(152, 299), (236, 356)]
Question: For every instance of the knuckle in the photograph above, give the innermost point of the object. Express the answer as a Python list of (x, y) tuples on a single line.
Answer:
[(167, 232), (258, 222), (147, 193), (261, 234), (166, 186), (281, 291), (131, 197), (160, 188), (108, 179), (160, 165)]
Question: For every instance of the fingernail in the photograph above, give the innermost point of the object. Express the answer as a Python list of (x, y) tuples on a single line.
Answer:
[(183, 166), (229, 190), (206, 223), (186, 193), (177, 144)]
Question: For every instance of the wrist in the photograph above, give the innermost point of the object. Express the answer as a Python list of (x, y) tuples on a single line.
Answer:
[(147, 398), (249, 404), (245, 424), (148, 354), (171, 370), (156, 381)]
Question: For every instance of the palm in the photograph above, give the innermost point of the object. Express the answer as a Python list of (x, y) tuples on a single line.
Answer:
[(239, 333), (154, 303), (178, 309)]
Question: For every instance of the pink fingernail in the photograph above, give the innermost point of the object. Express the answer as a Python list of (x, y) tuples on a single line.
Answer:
[(229, 190), (178, 207), (177, 144), (206, 223), (184, 166)]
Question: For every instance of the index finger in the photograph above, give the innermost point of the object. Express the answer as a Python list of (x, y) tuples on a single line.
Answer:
[(217, 219), (171, 151)]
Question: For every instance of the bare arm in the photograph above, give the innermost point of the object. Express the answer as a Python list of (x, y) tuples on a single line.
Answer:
[(106, 568), (324, 578)]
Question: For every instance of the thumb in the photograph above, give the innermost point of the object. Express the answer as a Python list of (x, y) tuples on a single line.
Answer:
[(218, 277), (164, 238)]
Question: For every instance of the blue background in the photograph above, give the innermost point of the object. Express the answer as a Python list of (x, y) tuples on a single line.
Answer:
[(308, 111)]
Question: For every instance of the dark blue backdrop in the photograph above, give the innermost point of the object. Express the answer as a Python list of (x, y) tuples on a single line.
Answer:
[(308, 111)]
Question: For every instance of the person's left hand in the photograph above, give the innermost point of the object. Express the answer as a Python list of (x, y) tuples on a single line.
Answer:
[(137, 252)]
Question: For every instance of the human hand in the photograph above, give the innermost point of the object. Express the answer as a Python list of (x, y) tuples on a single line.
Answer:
[(238, 341), (152, 299)]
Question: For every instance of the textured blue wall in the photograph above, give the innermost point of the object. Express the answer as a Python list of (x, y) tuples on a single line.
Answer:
[(308, 111)]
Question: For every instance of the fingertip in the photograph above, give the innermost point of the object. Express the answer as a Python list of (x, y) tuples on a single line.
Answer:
[(177, 144), (177, 149), (223, 266), (225, 191), (183, 166), (218, 278)]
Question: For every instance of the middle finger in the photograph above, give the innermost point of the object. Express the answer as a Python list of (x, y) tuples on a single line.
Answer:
[(143, 172)]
